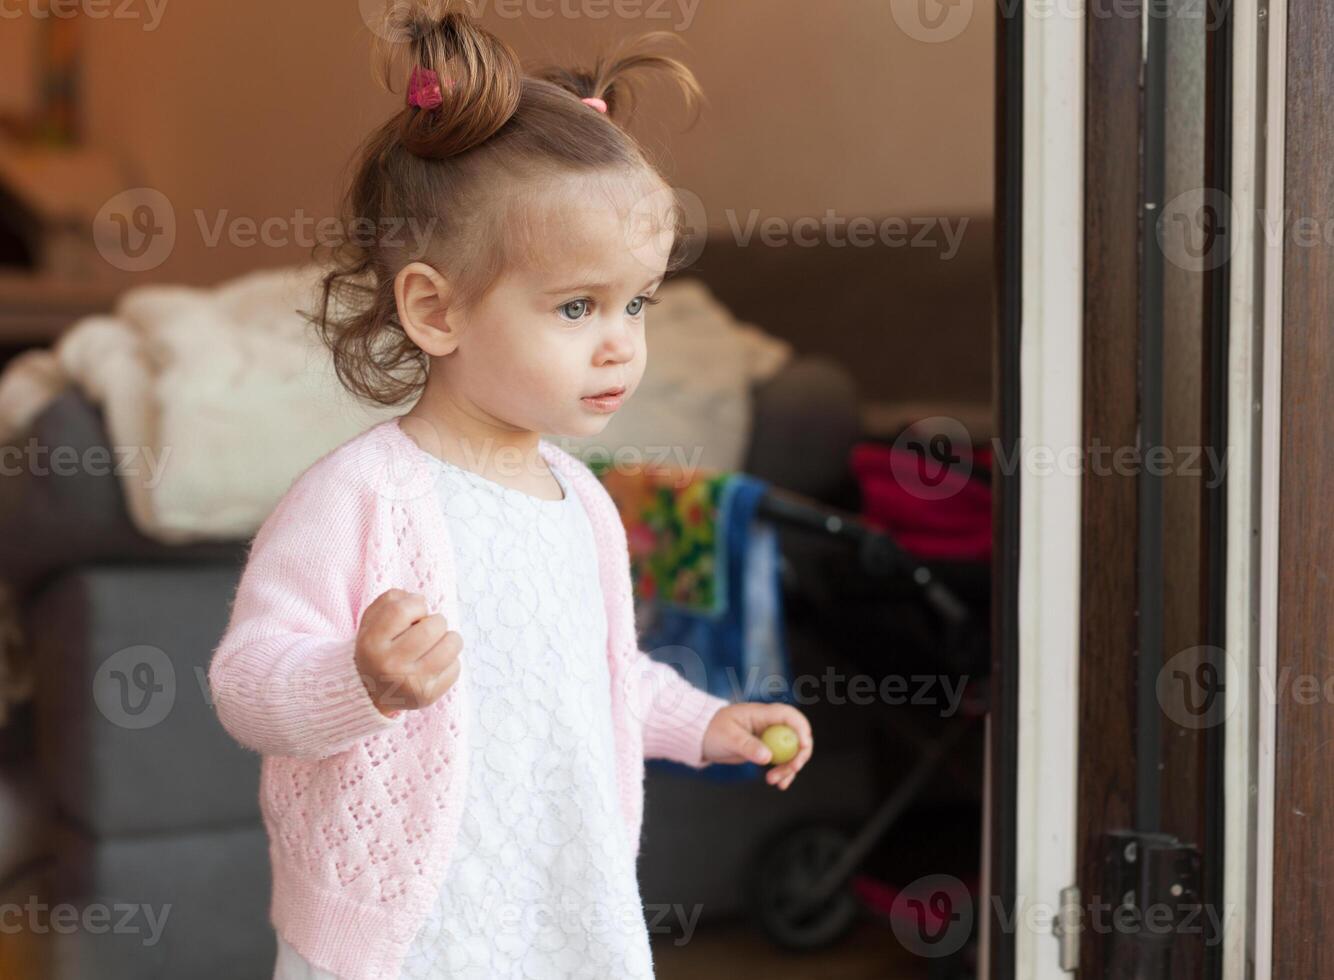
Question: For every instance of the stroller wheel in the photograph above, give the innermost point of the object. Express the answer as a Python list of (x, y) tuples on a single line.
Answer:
[(782, 874)]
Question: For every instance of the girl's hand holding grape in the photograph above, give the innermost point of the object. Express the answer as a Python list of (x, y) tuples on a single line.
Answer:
[(407, 656), (734, 735)]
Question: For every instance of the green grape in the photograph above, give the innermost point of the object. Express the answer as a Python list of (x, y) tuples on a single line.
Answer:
[(782, 742)]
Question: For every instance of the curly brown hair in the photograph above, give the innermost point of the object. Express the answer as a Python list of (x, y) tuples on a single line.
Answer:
[(465, 169)]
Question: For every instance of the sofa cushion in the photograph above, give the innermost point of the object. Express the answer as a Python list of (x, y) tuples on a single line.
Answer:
[(127, 737), (25, 813), (63, 510)]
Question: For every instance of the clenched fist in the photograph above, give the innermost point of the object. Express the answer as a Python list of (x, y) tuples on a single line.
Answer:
[(406, 658)]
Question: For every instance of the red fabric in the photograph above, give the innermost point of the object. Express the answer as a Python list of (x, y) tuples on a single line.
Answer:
[(932, 511)]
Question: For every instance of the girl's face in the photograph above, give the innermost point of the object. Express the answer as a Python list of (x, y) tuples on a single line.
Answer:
[(550, 335)]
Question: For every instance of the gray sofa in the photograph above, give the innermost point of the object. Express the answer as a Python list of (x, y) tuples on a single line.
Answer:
[(139, 815)]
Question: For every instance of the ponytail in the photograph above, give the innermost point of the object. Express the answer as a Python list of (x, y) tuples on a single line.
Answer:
[(479, 71)]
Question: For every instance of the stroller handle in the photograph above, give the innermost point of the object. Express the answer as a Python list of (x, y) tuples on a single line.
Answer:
[(877, 551)]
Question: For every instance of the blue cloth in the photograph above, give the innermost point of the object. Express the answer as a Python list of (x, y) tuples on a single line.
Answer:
[(738, 652)]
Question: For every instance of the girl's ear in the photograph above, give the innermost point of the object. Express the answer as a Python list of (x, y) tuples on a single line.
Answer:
[(422, 295)]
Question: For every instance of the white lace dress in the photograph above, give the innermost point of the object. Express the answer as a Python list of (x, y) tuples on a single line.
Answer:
[(542, 883)]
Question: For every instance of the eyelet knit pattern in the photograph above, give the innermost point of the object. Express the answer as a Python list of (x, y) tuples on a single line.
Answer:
[(363, 810)]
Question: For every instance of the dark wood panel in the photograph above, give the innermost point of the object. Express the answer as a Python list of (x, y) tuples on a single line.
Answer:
[(913, 324), (1007, 294), (1192, 324), (1304, 790), (1108, 632), (1214, 426)]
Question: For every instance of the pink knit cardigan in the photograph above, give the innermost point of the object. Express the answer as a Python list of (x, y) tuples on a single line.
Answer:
[(362, 810)]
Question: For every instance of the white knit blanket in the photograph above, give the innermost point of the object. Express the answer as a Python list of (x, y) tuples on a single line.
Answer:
[(216, 399)]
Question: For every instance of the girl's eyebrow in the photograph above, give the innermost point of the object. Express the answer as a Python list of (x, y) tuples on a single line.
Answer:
[(595, 287)]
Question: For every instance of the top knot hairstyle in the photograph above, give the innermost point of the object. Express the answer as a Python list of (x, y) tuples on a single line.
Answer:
[(463, 169)]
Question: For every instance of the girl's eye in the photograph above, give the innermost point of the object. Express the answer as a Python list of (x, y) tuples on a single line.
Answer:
[(575, 310), (637, 304)]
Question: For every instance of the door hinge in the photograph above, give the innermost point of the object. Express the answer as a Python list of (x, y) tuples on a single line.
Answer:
[(1154, 882), (1066, 927)]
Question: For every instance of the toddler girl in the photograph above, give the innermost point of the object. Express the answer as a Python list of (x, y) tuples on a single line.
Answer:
[(432, 643)]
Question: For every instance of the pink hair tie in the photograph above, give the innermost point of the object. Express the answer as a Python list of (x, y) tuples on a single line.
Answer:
[(597, 104), (424, 89)]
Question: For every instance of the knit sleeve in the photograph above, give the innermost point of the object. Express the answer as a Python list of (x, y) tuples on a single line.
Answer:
[(283, 678), (676, 712)]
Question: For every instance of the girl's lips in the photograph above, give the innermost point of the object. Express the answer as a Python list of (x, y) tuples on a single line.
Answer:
[(605, 403)]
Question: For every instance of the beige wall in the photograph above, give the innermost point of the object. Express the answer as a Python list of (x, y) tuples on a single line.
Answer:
[(18, 69), (253, 109)]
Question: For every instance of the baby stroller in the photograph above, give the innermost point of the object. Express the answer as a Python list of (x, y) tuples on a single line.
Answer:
[(807, 885)]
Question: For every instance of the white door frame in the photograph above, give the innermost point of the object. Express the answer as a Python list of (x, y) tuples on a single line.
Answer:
[(1051, 418), (1254, 372)]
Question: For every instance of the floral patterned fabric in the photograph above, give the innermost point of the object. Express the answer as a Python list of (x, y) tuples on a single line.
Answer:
[(672, 522)]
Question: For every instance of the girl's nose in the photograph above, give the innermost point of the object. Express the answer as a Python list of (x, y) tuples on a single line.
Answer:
[(618, 344)]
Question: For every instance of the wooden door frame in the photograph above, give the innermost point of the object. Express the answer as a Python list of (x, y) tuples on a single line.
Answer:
[(1146, 771), (1110, 502), (1303, 804), (1279, 818), (1099, 560)]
